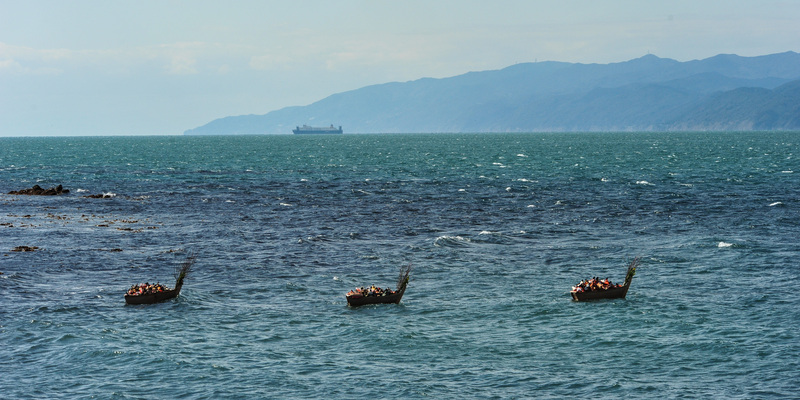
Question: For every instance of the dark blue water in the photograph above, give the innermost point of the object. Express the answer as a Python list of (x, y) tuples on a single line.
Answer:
[(497, 228)]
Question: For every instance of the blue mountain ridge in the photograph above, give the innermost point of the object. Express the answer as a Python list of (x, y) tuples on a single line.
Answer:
[(724, 92)]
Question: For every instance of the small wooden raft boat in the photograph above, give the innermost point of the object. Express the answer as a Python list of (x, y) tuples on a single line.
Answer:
[(617, 292), (156, 297), (355, 299)]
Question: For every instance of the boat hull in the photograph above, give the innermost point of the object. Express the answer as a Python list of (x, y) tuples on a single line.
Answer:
[(355, 301), (310, 130), (613, 293), (152, 298), (301, 132)]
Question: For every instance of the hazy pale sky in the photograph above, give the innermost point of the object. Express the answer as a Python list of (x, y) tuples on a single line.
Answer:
[(106, 67)]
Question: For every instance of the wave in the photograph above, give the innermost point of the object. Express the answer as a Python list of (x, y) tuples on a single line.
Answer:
[(319, 238), (724, 245), (484, 237), (493, 238), (451, 241)]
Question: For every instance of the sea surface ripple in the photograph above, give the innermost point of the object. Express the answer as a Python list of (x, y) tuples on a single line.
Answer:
[(497, 228)]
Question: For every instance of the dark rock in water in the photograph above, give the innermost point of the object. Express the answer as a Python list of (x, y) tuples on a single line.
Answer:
[(25, 248), (37, 190)]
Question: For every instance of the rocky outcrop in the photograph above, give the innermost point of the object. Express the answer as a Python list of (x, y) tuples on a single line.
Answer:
[(25, 248), (37, 190)]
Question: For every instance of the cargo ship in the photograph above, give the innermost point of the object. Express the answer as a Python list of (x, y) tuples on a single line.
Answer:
[(305, 130)]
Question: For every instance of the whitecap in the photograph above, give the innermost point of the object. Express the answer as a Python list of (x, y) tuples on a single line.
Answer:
[(451, 241), (462, 190), (508, 189), (724, 244), (644, 183), (109, 194), (521, 155), (82, 190), (604, 180), (777, 203), (286, 205), (787, 172), (524, 180), (530, 206), (336, 278)]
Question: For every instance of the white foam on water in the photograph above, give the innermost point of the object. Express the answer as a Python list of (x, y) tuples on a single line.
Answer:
[(449, 241)]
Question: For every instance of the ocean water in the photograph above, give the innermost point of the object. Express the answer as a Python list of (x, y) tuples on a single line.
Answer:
[(496, 227)]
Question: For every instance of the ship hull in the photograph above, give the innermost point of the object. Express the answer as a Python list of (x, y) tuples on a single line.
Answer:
[(310, 130)]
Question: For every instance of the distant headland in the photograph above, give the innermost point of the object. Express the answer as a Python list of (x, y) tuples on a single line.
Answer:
[(724, 92)]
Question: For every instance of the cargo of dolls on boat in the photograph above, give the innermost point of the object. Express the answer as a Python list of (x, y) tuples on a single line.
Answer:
[(595, 288), (375, 295), (153, 293)]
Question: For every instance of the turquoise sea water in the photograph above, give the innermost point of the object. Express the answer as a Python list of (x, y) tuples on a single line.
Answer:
[(497, 228)]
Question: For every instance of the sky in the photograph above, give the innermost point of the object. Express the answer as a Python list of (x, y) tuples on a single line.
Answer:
[(160, 67)]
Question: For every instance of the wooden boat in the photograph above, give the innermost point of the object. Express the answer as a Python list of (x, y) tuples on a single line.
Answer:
[(610, 293), (356, 300), (151, 298)]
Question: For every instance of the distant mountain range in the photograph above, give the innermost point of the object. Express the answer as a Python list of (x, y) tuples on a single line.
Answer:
[(725, 92)]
